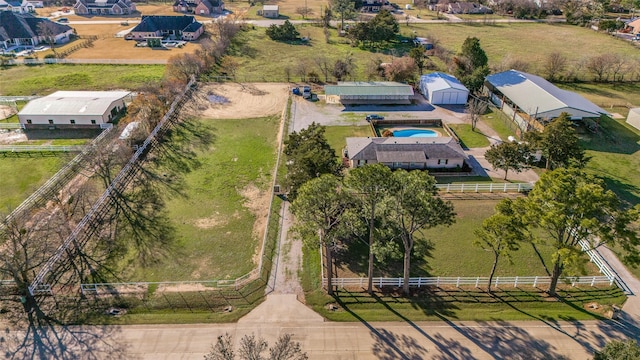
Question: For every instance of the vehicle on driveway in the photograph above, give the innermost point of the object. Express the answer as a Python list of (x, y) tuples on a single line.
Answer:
[(306, 92), (374, 117)]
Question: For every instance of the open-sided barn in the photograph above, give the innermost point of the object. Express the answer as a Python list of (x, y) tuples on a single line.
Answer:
[(373, 92)]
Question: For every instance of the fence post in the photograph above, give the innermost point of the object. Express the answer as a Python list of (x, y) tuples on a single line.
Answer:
[(497, 281), (380, 283), (477, 281), (477, 187), (491, 187), (535, 282), (505, 187), (515, 284), (438, 281), (400, 281), (462, 187), (361, 279), (519, 186), (573, 282), (593, 281), (448, 187), (458, 282)]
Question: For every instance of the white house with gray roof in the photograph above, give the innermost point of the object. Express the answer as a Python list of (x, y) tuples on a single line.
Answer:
[(406, 153), (371, 92), (538, 98), (73, 109)]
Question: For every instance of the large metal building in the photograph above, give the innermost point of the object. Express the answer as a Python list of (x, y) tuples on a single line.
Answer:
[(373, 92), (633, 118), (73, 109), (537, 98), (443, 89)]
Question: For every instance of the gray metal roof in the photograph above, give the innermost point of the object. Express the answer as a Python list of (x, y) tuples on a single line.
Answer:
[(73, 103), (441, 81), (394, 149), (270, 7), (363, 88), (538, 97)]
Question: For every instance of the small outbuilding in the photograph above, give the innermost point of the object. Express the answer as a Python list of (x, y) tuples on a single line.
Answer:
[(73, 110), (271, 11), (443, 89), (372, 92), (633, 118)]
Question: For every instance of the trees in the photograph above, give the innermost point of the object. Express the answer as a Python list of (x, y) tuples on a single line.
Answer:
[(304, 11), (182, 67), (402, 69), (559, 143), (284, 32), (416, 207), (568, 206), (500, 234), (309, 156), (619, 350), (318, 208), (418, 56), (47, 31), (475, 108), (369, 185), (508, 156), (383, 27), (346, 9), (555, 65), (252, 348), (472, 64)]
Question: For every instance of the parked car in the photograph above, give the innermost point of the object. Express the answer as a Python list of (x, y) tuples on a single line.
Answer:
[(374, 117), (306, 92), (63, 20), (296, 91)]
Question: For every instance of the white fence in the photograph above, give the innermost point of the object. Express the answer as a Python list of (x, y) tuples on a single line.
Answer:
[(602, 265), (473, 281), (87, 61), (486, 187), (41, 148), (11, 126)]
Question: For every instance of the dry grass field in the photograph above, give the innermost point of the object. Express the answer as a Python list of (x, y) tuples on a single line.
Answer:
[(119, 48)]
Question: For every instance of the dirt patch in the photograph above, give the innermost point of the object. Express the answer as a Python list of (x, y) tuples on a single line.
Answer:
[(243, 101), (210, 222), (8, 137), (257, 201), (6, 111)]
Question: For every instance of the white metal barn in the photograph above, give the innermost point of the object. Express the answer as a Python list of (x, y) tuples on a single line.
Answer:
[(73, 109), (443, 89), (634, 118)]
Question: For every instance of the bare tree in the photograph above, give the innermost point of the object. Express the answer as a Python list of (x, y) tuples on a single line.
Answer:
[(229, 66), (47, 32), (402, 69), (618, 67), (475, 109), (600, 66), (252, 348), (324, 65), (302, 68), (555, 65), (511, 62), (183, 66), (222, 350), (304, 11), (287, 72)]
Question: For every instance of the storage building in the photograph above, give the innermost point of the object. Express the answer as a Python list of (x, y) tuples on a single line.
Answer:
[(373, 92), (443, 89), (73, 109), (633, 118)]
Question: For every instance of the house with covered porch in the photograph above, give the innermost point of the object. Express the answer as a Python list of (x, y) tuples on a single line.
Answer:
[(23, 30)]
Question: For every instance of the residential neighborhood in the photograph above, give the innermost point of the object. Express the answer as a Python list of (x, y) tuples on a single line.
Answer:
[(337, 180)]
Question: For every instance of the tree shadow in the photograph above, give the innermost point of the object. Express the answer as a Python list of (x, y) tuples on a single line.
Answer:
[(39, 329)]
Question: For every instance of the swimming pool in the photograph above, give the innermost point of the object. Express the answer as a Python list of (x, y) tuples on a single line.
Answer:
[(415, 133)]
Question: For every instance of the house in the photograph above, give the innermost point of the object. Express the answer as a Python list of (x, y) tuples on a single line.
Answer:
[(17, 6), (104, 7), (73, 109), (533, 101), (463, 8), (373, 6), (183, 27), (199, 7), (443, 89), (406, 153), (373, 92), (18, 29), (634, 26), (271, 11), (633, 118)]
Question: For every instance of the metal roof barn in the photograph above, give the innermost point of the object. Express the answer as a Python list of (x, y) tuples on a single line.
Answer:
[(539, 98), (443, 89), (374, 92)]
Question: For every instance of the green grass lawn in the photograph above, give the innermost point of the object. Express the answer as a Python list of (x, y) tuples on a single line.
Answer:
[(45, 79), (615, 156), (499, 40), (214, 220), (336, 135), (453, 252), (608, 96), (469, 138), (17, 184), (500, 123)]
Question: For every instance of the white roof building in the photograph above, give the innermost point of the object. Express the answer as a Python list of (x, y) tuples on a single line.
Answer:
[(440, 88), (539, 98), (633, 118), (73, 108)]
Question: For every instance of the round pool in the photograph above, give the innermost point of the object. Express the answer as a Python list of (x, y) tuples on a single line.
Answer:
[(415, 133)]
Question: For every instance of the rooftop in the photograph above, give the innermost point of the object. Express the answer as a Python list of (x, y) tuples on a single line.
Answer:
[(73, 103), (368, 88)]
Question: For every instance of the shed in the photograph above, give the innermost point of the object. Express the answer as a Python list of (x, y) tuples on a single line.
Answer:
[(73, 109), (271, 11), (443, 89), (633, 118), (373, 92)]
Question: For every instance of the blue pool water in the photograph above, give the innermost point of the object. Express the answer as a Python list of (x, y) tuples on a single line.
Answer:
[(415, 133)]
